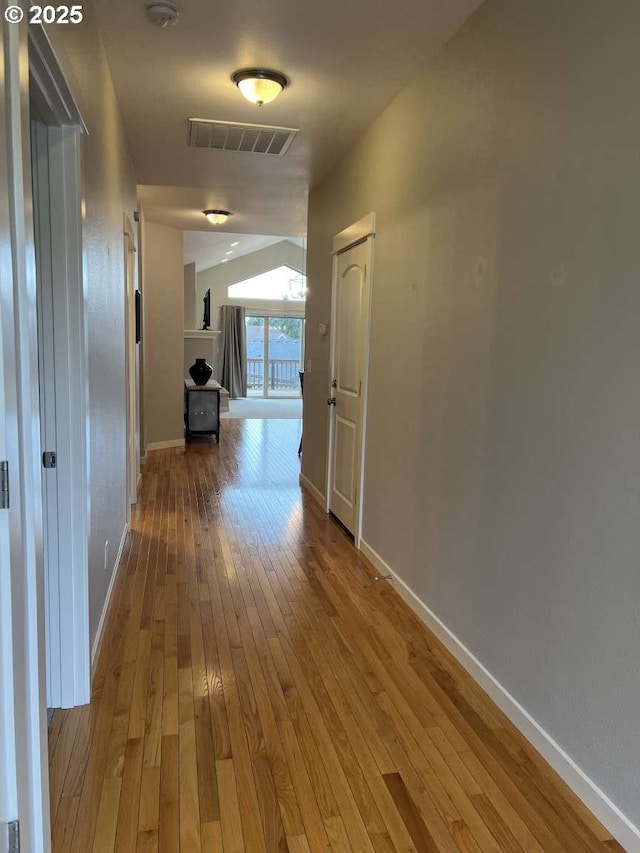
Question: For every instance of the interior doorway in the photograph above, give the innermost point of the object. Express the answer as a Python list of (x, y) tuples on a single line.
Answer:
[(31, 71), (133, 364)]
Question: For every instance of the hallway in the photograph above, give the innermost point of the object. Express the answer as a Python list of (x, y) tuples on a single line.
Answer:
[(257, 690)]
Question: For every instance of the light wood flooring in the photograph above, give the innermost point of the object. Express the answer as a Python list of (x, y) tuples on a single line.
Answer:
[(258, 691)]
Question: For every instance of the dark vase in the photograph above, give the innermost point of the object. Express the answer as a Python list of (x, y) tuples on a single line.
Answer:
[(201, 372)]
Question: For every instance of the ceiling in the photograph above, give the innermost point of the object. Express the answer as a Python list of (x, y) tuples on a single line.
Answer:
[(207, 249), (346, 62)]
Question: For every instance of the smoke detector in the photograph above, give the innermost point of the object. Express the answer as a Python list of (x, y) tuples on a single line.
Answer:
[(162, 13)]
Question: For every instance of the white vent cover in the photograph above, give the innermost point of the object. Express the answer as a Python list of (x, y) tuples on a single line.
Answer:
[(252, 138)]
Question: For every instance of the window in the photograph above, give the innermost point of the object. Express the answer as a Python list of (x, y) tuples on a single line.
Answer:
[(274, 356), (282, 283)]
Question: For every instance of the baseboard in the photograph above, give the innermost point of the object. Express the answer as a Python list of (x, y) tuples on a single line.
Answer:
[(316, 494), (595, 800), (97, 643), (164, 445)]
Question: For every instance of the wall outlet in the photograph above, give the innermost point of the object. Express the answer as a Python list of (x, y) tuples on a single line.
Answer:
[(106, 554)]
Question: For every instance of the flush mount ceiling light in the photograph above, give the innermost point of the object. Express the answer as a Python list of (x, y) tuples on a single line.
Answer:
[(259, 85), (217, 217)]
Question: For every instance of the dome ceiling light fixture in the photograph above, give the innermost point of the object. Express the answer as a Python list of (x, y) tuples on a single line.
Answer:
[(260, 85), (216, 217)]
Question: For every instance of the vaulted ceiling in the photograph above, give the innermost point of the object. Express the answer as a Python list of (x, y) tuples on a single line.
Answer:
[(206, 249), (346, 62)]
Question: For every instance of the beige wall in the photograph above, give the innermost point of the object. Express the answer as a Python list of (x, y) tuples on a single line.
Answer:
[(218, 278), (163, 333), (190, 321), (109, 192), (502, 463)]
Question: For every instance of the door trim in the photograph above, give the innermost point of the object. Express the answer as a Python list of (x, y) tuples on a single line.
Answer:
[(356, 233), (26, 567), (51, 94), (361, 231), (13, 777)]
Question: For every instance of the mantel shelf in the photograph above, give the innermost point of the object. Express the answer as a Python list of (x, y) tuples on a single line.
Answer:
[(205, 334)]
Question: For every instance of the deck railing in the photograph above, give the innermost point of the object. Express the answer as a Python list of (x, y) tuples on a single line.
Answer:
[(282, 374)]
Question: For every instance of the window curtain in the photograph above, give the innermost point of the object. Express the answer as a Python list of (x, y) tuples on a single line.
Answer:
[(234, 351)]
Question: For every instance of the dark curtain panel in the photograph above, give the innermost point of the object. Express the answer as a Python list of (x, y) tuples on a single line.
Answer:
[(234, 351)]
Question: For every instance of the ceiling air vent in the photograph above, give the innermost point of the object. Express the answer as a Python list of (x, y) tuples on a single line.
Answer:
[(227, 136)]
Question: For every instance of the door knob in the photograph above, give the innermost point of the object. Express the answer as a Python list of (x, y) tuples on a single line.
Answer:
[(331, 401)]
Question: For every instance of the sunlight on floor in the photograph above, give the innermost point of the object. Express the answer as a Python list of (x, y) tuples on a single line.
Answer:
[(264, 408)]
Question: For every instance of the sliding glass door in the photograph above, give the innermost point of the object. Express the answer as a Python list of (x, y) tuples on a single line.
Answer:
[(274, 356)]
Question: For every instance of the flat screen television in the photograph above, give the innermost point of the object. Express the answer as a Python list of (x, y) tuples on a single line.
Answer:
[(206, 314)]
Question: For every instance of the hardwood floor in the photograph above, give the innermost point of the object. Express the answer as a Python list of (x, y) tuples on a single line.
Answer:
[(257, 690)]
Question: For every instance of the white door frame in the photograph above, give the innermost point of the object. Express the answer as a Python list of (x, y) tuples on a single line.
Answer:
[(362, 230), (20, 364), (25, 777), (11, 779)]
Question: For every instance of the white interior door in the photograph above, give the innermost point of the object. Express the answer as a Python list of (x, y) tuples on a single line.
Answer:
[(47, 391), (62, 391), (56, 226), (350, 350)]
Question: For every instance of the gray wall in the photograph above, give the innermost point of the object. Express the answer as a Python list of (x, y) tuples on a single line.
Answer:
[(163, 340), (109, 192), (190, 321), (503, 463)]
